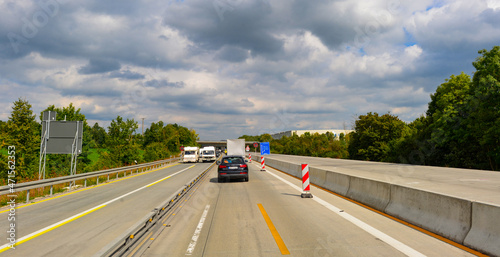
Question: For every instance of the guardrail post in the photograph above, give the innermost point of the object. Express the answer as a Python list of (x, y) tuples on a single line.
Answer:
[(108, 177), (85, 183), (97, 182), (27, 196), (51, 189), (117, 174)]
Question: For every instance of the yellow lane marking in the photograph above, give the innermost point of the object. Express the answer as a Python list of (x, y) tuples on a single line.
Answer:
[(163, 179), (274, 231), (154, 183), (50, 228), (90, 187)]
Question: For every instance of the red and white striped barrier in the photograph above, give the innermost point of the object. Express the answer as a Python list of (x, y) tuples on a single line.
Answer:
[(306, 189), (249, 157), (262, 164)]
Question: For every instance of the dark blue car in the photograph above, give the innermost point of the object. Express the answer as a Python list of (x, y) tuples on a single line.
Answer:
[(232, 167)]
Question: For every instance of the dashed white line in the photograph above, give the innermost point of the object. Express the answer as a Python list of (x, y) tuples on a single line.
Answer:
[(197, 232)]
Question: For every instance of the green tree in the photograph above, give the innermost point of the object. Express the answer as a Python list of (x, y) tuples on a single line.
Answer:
[(155, 133), (374, 135), (122, 147), (446, 132), (462, 126), (156, 151), (23, 132), (483, 109), (414, 147), (98, 135), (266, 138), (160, 140)]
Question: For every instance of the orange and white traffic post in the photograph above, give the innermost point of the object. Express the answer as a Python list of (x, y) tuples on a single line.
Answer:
[(306, 188), (249, 157), (262, 164)]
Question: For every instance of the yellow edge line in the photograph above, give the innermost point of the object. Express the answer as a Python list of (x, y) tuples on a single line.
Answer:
[(51, 228), (91, 187), (429, 233), (274, 231), (163, 179), (159, 181)]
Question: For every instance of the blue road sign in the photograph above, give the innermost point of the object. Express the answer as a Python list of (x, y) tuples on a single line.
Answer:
[(264, 148)]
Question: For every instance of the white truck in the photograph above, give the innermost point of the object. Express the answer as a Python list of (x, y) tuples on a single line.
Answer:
[(236, 147), (207, 154), (190, 154)]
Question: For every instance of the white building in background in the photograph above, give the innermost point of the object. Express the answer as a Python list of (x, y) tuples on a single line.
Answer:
[(289, 133)]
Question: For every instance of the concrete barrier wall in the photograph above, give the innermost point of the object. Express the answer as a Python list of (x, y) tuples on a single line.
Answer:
[(338, 183), (373, 193), (485, 232), (473, 224), (444, 215), (317, 176)]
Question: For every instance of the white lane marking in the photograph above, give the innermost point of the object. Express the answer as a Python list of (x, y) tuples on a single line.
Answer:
[(55, 225), (197, 232), (377, 233), (141, 188)]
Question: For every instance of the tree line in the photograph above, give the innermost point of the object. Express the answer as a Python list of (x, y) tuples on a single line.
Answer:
[(461, 127), (119, 145), (316, 145)]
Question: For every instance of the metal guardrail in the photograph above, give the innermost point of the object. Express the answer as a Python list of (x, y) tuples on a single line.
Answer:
[(127, 241), (26, 186)]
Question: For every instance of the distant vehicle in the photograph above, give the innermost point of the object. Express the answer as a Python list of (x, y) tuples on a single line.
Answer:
[(190, 154), (207, 153), (232, 167)]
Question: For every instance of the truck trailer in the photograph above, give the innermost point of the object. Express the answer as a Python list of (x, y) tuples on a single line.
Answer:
[(236, 147)]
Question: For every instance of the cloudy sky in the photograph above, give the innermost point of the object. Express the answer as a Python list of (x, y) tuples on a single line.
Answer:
[(231, 67)]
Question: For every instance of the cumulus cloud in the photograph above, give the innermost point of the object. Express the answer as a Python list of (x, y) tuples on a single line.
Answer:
[(231, 67), (99, 65), (126, 74)]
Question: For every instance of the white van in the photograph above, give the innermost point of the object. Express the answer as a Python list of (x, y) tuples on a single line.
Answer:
[(207, 154), (190, 154)]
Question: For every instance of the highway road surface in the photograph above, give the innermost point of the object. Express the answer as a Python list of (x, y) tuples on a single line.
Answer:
[(83, 222), (263, 217), (267, 217)]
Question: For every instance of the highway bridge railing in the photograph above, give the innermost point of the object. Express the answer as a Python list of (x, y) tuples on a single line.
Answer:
[(51, 182)]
